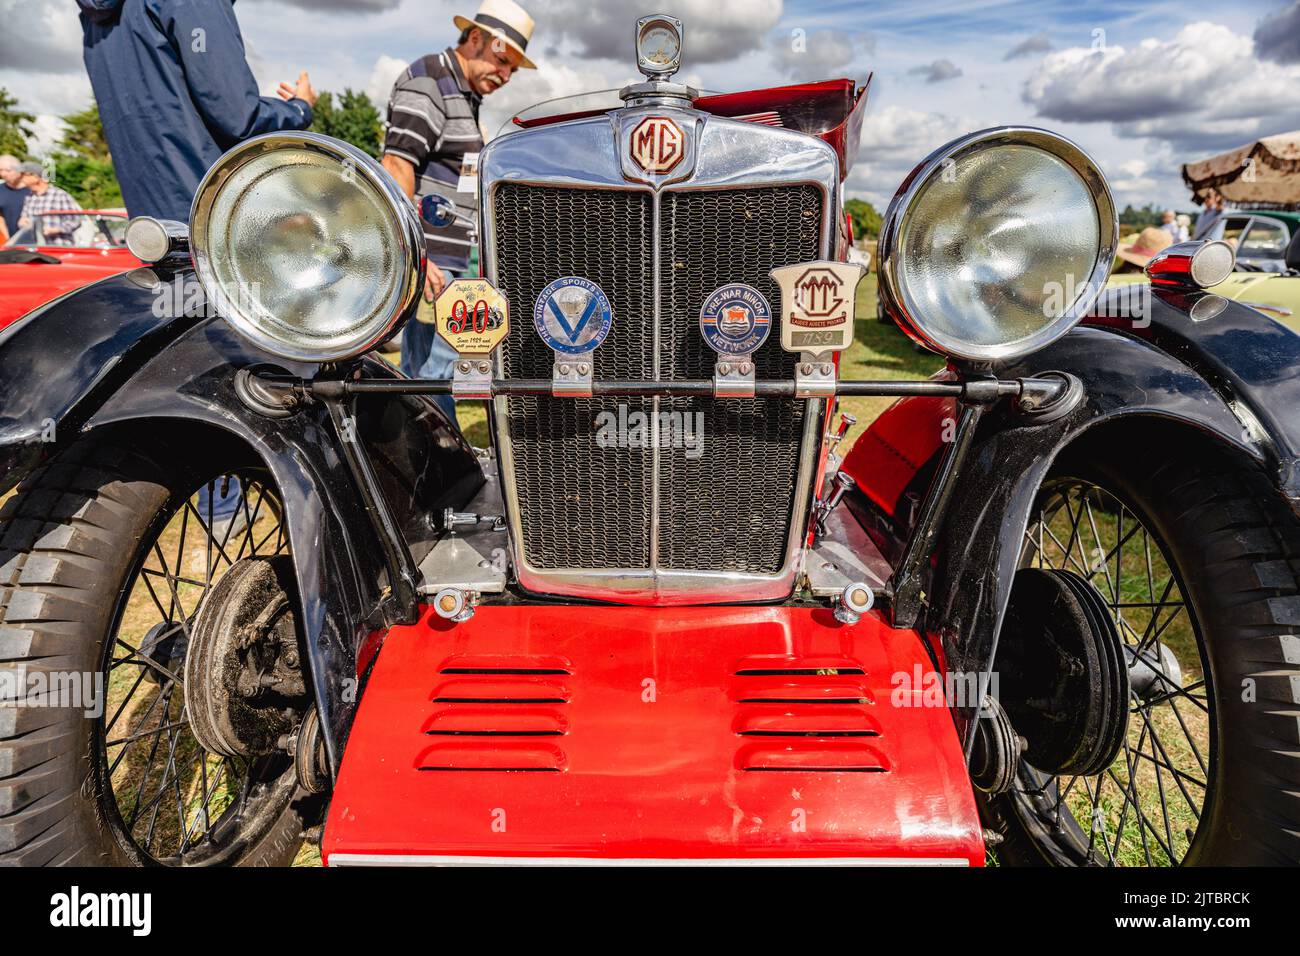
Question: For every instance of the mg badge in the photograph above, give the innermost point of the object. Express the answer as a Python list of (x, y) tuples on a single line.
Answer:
[(735, 320), (657, 144), (817, 307), (572, 315)]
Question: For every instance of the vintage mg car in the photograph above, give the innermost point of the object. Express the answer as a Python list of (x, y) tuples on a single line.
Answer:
[(1047, 607)]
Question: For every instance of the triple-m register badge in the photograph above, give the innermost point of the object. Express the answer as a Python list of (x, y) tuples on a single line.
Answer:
[(817, 307), (473, 318)]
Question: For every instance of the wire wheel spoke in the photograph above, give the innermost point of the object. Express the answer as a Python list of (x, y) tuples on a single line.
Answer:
[(170, 794), (1145, 807)]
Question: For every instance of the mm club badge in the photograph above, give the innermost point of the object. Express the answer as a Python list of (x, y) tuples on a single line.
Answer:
[(472, 316), (573, 316), (735, 321), (817, 309)]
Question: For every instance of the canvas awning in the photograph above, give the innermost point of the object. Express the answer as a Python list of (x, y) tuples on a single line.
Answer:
[(1263, 174)]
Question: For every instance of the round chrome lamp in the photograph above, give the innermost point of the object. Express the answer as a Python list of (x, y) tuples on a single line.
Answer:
[(997, 244), (305, 245)]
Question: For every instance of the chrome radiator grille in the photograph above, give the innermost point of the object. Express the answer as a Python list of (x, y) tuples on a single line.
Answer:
[(584, 506)]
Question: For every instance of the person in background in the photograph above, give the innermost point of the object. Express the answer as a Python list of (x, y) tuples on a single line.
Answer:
[(47, 198), (431, 146), (175, 91), (1169, 223), (1184, 227), (1212, 214), (12, 196)]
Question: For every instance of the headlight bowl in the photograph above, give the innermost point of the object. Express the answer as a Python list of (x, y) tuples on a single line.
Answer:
[(997, 244), (306, 247)]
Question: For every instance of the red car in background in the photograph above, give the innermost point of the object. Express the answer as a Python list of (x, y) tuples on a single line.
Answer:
[(35, 269)]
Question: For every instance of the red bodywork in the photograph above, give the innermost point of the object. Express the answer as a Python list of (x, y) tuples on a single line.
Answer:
[(26, 285), (897, 445), (606, 733)]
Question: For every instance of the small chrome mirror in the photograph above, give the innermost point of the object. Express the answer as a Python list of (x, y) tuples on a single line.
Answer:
[(438, 211)]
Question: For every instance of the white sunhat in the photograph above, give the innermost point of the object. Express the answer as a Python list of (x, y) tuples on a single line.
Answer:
[(505, 20)]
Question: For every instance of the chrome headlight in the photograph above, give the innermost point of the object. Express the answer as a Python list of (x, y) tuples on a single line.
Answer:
[(998, 243), (306, 246)]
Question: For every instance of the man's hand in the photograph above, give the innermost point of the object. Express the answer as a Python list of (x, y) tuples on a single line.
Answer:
[(435, 280), (302, 90)]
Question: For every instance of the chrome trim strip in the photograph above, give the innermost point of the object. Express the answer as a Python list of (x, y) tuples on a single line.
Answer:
[(420, 859), (727, 154)]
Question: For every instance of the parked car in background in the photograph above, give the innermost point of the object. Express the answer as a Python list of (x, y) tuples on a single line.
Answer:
[(1260, 185), (35, 269), (1260, 236)]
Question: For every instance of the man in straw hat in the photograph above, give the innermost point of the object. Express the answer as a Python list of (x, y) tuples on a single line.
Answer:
[(432, 146)]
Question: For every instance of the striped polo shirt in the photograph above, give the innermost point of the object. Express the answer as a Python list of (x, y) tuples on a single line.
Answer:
[(433, 125)]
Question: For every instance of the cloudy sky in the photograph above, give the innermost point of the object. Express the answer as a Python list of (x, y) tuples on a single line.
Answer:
[(1143, 86)]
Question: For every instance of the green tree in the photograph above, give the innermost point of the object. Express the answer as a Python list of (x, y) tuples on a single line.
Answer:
[(84, 134), (350, 117), (15, 126), (82, 164), (866, 221)]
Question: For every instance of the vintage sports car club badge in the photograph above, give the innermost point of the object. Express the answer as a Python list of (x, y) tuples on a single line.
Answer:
[(472, 316), (657, 144), (735, 320), (817, 308), (572, 315)]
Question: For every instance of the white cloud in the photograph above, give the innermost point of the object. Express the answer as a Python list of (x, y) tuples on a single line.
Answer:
[(895, 139), (1202, 90), (1038, 43), (820, 54), (552, 79), (716, 30), (39, 36), (47, 130), (938, 71), (382, 77)]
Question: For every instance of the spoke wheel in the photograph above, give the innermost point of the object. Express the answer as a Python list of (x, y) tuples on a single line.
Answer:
[(177, 802), (107, 553), (1145, 807)]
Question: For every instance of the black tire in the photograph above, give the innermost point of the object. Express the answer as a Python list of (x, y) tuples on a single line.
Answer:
[(72, 541), (1233, 544)]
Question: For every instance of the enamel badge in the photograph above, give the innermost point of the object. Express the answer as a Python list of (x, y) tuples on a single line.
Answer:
[(817, 309), (472, 316), (573, 316)]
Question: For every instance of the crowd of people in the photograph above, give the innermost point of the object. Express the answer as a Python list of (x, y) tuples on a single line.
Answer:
[(27, 193)]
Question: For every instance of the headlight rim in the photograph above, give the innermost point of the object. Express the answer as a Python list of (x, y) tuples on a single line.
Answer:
[(889, 251), (411, 235)]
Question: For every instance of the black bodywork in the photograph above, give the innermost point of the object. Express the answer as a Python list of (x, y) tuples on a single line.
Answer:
[(103, 358)]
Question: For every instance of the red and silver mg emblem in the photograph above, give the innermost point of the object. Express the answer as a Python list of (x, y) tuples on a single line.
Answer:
[(657, 144)]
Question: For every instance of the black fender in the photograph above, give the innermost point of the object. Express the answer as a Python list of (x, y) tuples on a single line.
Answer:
[(1233, 378), (104, 359)]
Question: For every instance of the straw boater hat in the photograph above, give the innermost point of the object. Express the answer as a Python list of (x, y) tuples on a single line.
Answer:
[(1144, 248), (505, 20)]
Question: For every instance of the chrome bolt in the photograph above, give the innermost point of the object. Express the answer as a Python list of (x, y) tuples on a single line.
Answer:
[(564, 370), (724, 369), (806, 368), (483, 367), (583, 368), (463, 366)]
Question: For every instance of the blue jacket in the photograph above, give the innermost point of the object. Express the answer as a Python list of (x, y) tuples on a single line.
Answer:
[(174, 93)]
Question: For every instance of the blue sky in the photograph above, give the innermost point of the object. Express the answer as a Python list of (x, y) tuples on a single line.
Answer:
[(1143, 87)]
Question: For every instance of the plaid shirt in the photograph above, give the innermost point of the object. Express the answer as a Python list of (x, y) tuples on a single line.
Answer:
[(52, 200)]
